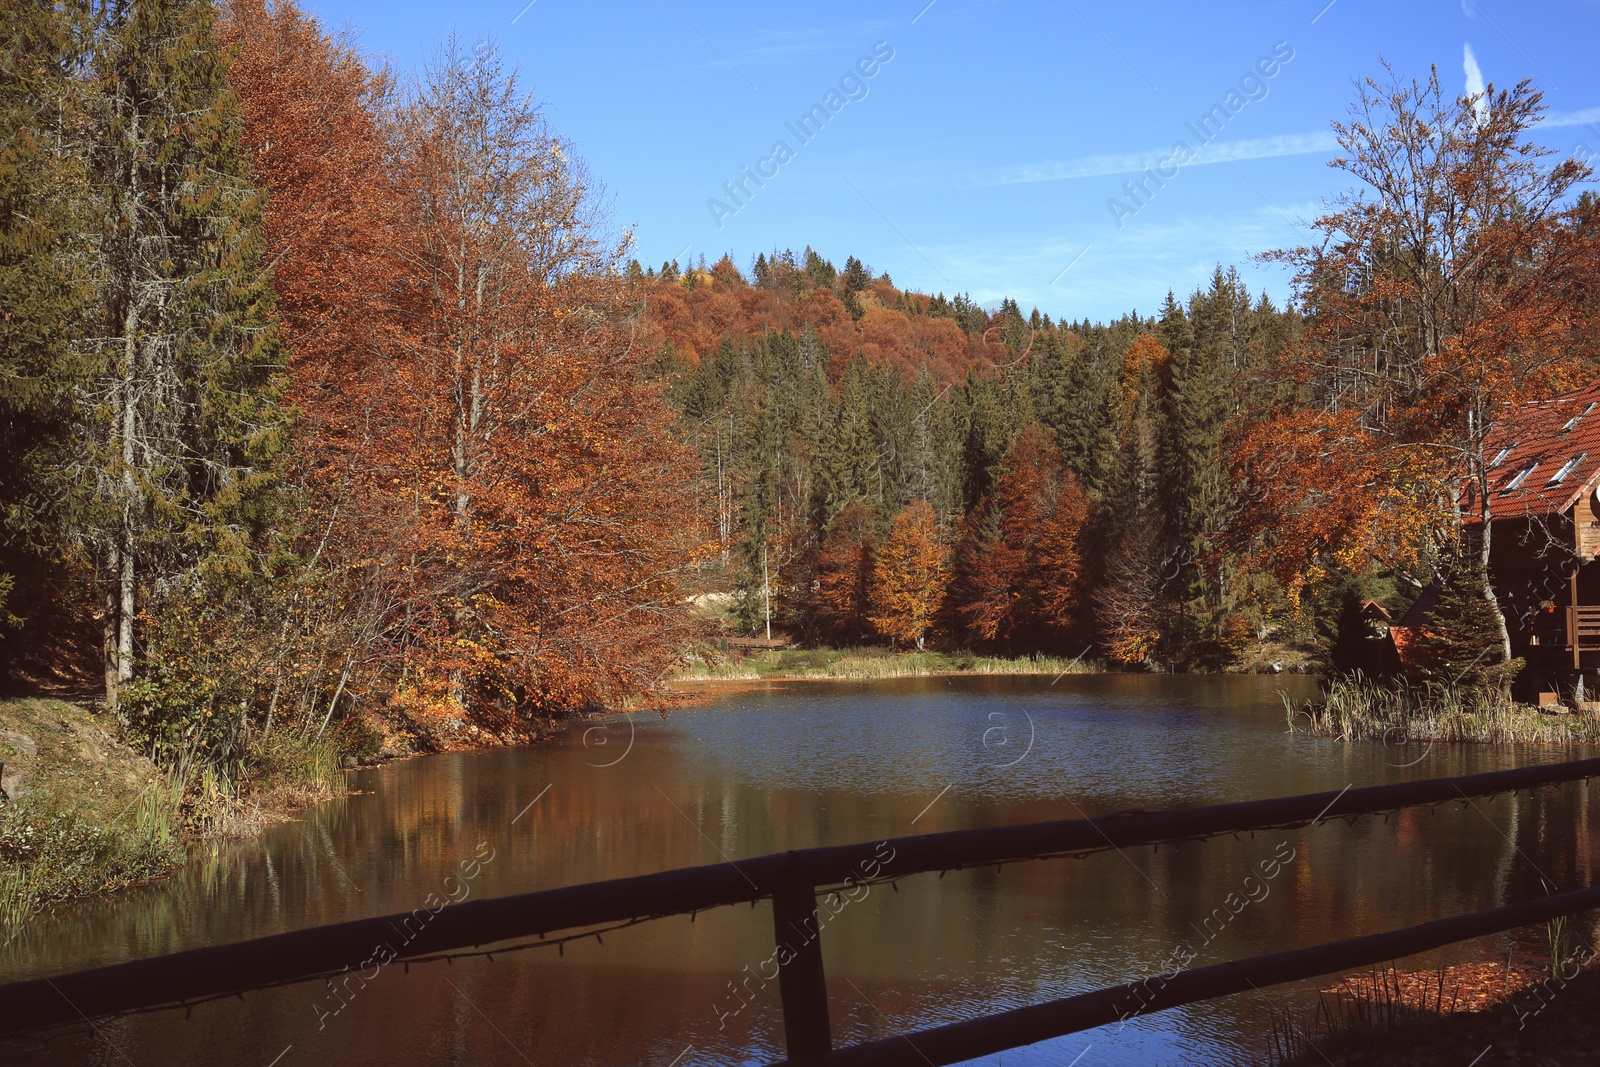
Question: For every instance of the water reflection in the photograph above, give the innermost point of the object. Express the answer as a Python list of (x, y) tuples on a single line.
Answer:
[(778, 766)]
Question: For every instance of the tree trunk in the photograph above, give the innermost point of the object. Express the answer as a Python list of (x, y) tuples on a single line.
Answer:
[(125, 614), (1488, 584), (123, 577), (109, 629)]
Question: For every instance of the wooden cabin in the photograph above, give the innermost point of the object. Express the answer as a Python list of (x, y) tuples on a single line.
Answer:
[(1545, 532)]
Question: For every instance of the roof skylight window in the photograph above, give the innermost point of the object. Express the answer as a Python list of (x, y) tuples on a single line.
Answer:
[(1520, 477), (1566, 468)]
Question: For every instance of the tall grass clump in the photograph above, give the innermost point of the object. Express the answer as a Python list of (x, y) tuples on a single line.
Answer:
[(1360, 1008), (52, 850), (1357, 708)]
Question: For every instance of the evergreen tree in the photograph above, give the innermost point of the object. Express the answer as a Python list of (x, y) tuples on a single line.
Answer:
[(1353, 648), (185, 431), (1205, 376), (820, 271), (43, 299), (849, 469), (856, 276), (1460, 644)]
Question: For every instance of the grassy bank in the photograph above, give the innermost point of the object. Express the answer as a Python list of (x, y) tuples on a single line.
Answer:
[(868, 663), (85, 813), (1360, 710)]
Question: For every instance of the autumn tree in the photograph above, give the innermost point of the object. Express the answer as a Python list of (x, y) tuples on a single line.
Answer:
[(909, 574), (844, 575), (1020, 570), (348, 611), (553, 506), (1131, 600), (1443, 294)]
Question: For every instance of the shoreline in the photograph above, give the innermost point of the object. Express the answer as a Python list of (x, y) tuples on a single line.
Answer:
[(871, 664), (756, 677), (87, 815)]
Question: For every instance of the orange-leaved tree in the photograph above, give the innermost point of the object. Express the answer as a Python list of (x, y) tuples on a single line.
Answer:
[(909, 575), (1443, 293), (843, 574), (498, 518), (315, 131), (1021, 557), (549, 488), (1133, 596)]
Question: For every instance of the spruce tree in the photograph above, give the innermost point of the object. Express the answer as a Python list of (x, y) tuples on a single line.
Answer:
[(186, 428), (43, 298), (1460, 644), (1209, 356), (849, 468)]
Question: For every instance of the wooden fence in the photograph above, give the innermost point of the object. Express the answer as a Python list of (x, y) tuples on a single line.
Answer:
[(792, 880)]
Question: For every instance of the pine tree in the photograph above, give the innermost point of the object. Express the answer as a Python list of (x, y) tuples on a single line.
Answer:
[(1206, 372), (185, 429), (849, 470), (856, 276), (42, 305)]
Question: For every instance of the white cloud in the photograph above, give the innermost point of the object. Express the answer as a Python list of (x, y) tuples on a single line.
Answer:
[(1056, 170), (1288, 144), (1571, 118), (1475, 86)]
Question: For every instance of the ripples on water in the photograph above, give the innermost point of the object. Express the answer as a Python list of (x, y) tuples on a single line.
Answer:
[(769, 767)]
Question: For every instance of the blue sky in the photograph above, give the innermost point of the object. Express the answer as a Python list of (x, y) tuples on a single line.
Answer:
[(984, 156)]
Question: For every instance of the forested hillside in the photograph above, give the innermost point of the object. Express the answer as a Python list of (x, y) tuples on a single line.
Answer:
[(1077, 473)]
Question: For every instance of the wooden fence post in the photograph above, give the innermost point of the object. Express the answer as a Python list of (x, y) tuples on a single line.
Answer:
[(806, 1032)]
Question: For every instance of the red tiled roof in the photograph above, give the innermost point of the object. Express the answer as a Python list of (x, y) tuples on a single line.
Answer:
[(1538, 444)]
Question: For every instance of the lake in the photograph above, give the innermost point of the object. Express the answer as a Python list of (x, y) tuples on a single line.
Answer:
[(765, 767)]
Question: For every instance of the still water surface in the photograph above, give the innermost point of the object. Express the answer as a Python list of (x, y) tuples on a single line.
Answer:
[(769, 767)]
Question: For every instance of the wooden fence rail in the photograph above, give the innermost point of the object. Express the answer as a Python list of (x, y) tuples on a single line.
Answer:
[(1069, 1015), (792, 880)]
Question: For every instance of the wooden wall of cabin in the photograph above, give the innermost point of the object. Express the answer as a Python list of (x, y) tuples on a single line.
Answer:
[(1530, 562), (1585, 519), (1532, 565)]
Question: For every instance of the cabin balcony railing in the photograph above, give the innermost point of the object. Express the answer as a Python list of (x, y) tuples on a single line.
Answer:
[(1559, 628), (1583, 628)]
